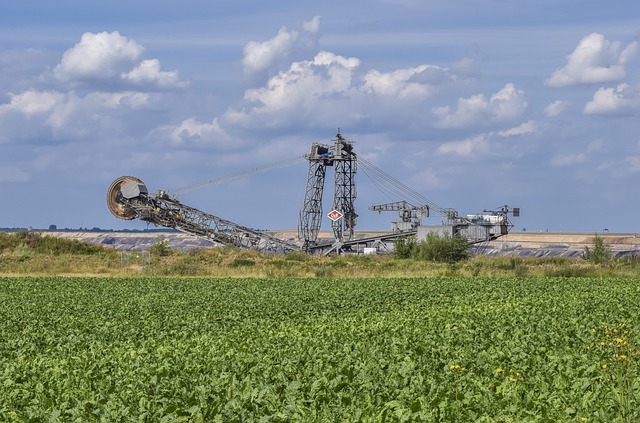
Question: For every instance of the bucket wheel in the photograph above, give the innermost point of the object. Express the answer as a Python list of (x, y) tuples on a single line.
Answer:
[(115, 196)]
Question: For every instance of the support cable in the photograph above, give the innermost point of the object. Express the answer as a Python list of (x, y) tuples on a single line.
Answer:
[(237, 175), (391, 186)]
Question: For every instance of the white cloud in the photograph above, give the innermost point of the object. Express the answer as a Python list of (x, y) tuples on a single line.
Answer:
[(595, 60), (467, 67), (110, 58), (98, 56), (468, 147), (98, 112), (528, 127), (565, 160), (50, 116), (148, 73), (32, 102), (633, 162), (506, 105), (556, 108), (401, 83), (190, 130), (299, 90), (262, 56), (607, 101), (312, 26)]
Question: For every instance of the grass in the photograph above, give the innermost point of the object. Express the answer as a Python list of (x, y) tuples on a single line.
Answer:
[(36, 255)]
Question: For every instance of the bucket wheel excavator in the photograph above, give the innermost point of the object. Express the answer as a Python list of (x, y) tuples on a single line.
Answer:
[(128, 199)]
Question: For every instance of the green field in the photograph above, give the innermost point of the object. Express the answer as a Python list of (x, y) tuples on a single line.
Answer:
[(275, 350)]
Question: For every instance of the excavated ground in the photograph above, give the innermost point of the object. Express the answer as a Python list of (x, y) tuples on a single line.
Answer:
[(558, 244), (524, 244)]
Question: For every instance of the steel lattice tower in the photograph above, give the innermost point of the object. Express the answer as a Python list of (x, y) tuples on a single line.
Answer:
[(343, 159)]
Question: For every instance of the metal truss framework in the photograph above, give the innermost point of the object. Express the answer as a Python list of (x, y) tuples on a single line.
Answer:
[(128, 199), (340, 155)]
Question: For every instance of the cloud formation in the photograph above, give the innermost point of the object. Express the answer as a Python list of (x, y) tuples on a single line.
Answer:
[(556, 108), (192, 131), (307, 86), (415, 82), (110, 58), (477, 145), (505, 105), (525, 128), (259, 57), (594, 60), (620, 100)]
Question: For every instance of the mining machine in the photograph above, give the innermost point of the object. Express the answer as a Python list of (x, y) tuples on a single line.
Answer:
[(410, 215), (128, 198)]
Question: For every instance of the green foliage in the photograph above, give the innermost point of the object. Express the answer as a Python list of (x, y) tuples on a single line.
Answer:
[(444, 249), (28, 242), (600, 253), (160, 248), (568, 271), (296, 256), (194, 349), (435, 248), (324, 271), (242, 262), (405, 247)]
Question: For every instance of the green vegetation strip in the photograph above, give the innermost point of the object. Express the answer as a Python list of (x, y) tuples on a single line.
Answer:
[(456, 349)]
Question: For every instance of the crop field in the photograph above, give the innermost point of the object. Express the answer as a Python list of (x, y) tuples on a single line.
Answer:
[(319, 350)]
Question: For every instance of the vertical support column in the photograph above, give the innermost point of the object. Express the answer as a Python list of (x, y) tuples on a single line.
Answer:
[(344, 190), (311, 212)]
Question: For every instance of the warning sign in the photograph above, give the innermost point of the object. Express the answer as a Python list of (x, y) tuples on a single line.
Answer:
[(334, 215)]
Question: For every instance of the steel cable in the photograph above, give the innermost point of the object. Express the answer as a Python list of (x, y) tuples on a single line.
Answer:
[(237, 175)]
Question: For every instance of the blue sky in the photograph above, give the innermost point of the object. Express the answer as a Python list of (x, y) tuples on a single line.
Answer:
[(474, 104)]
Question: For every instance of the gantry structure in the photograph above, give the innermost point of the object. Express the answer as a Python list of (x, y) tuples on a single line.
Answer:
[(343, 159)]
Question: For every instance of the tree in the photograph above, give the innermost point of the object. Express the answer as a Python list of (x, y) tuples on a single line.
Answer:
[(599, 254)]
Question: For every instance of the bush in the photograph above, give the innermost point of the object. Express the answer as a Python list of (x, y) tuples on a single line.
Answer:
[(160, 248), (404, 247), (35, 242), (445, 249)]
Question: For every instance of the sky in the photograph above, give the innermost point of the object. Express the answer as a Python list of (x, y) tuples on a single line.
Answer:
[(473, 104)]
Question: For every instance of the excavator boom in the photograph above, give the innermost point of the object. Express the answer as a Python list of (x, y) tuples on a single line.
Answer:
[(128, 198)]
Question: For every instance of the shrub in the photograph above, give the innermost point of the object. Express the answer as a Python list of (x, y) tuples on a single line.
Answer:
[(446, 248), (37, 243), (160, 248), (404, 247)]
